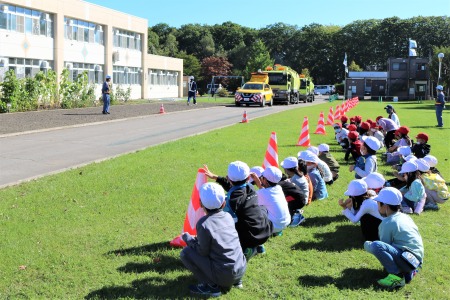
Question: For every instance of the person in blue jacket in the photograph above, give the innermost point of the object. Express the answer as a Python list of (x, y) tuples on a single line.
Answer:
[(106, 89), (440, 105)]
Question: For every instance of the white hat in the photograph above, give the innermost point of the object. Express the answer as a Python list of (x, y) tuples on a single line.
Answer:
[(410, 157), (324, 148), (422, 165), (191, 77), (313, 149), (432, 161), (289, 162), (308, 156), (257, 170), (212, 195), (390, 196), (238, 171), (409, 166), (372, 142), (272, 174), (440, 87), (356, 187), (374, 180), (404, 150)]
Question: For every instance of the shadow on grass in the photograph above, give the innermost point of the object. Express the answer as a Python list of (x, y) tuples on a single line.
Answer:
[(142, 250), (323, 220), (161, 265), (346, 237), (148, 288), (350, 279)]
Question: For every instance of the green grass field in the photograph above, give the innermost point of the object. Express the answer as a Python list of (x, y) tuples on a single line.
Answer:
[(103, 231)]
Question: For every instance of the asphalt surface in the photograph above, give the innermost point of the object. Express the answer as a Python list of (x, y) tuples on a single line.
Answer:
[(35, 144)]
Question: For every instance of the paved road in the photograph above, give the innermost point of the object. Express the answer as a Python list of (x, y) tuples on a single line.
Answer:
[(25, 157)]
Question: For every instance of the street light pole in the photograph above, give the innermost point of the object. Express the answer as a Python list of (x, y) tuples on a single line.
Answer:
[(440, 57)]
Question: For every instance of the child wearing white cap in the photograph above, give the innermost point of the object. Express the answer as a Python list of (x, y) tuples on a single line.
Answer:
[(400, 248), (435, 187), (324, 169), (271, 196), (296, 176), (362, 209), (414, 196), (367, 162), (325, 156), (214, 256), (251, 220), (319, 188)]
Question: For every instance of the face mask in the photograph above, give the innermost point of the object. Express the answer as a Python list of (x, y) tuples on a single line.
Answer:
[(373, 130)]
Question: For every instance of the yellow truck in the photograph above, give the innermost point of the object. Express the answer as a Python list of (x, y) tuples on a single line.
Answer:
[(255, 92)]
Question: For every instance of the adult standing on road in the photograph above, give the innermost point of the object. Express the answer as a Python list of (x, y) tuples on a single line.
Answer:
[(440, 105), (106, 88), (192, 91)]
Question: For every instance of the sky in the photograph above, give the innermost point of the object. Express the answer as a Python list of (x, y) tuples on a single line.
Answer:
[(259, 14)]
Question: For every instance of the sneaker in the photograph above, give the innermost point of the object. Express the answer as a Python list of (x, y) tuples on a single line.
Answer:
[(431, 206), (188, 104), (261, 249), (238, 285), (205, 290), (297, 219), (392, 281), (249, 253), (279, 233), (409, 276), (407, 210)]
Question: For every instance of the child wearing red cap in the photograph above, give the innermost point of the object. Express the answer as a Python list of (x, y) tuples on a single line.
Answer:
[(401, 134), (354, 147), (421, 148), (344, 120)]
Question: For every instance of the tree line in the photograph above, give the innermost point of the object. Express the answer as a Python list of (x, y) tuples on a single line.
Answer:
[(232, 49)]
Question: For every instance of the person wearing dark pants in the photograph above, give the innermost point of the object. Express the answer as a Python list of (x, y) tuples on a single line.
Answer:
[(192, 93), (439, 105), (105, 95)]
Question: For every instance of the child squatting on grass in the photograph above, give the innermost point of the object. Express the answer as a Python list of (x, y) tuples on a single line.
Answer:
[(251, 220), (215, 256), (400, 248)]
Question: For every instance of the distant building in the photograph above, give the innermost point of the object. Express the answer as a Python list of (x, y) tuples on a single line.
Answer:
[(406, 79), (409, 78), (80, 36)]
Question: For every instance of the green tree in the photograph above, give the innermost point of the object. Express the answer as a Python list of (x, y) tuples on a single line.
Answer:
[(191, 65), (153, 42), (170, 46), (207, 45), (189, 37), (259, 58), (276, 37), (354, 67), (228, 35)]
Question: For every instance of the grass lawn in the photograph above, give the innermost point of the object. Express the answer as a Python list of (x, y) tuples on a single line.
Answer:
[(103, 231)]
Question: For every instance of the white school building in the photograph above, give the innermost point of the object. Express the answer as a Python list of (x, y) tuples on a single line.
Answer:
[(79, 36)]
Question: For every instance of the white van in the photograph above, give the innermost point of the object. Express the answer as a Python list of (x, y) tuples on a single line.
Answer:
[(324, 89)]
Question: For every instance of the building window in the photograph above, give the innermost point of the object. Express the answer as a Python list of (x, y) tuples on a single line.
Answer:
[(398, 66), (19, 19), (82, 31), (126, 39), (28, 67), (94, 72), (163, 77), (126, 75)]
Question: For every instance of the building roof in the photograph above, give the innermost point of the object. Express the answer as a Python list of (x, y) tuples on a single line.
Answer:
[(367, 74)]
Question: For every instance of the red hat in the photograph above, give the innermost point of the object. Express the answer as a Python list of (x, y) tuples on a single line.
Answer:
[(337, 125), (373, 125), (358, 119), (352, 120), (353, 135), (370, 121), (422, 136), (344, 119), (403, 130), (379, 117), (365, 125), (351, 127)]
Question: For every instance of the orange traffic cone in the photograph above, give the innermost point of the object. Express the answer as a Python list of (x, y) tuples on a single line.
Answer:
[(244, 117), (303, 140), (194, 212), (271, 157), (337, 113), (161, 109), (320, 125), (330, 118)]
